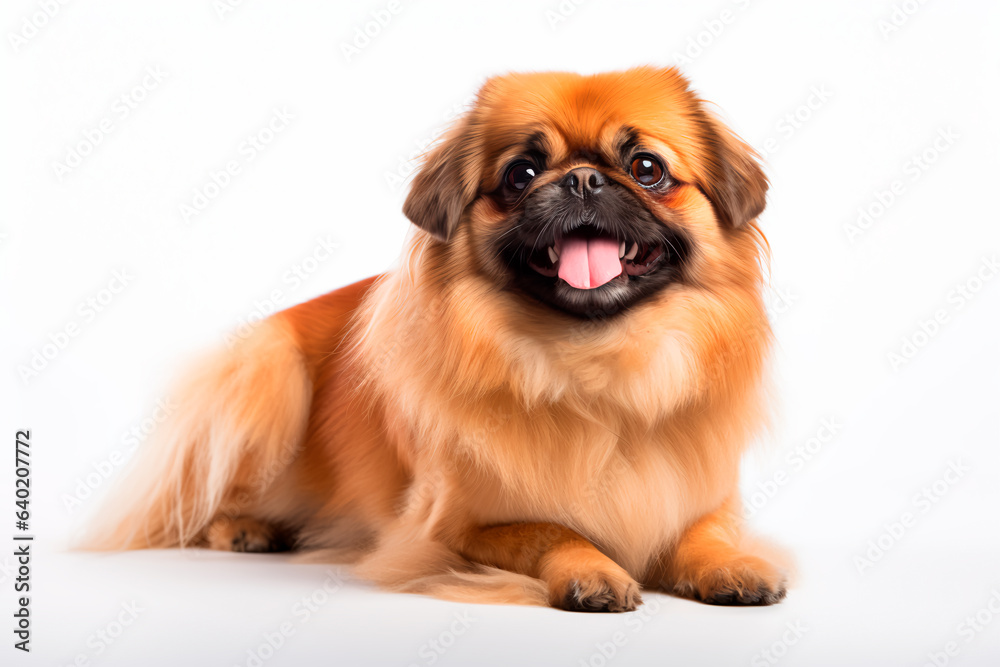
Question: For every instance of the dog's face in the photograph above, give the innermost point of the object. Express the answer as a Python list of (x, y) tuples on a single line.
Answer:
[(588, 194)]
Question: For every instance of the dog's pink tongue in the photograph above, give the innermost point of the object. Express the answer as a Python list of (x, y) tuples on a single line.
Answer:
[(588, 263)]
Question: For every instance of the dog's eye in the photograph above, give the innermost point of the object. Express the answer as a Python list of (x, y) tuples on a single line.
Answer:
[(520, 174), (647, 171)]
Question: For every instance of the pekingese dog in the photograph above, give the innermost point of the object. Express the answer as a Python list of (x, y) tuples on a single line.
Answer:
[(546, 403)]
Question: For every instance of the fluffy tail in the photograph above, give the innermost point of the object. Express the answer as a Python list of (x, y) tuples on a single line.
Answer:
[(240, 421)]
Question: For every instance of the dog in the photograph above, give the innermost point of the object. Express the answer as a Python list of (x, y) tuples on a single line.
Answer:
[(545, 403)]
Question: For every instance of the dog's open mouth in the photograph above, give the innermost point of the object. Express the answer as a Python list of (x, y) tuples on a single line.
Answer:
[(587, 259), (596, 269)]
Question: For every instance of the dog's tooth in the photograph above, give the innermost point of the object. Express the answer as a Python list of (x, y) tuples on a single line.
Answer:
[(553, 256), (631, 253), (621, 250)]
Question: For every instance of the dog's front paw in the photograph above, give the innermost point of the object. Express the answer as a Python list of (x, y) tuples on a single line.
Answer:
[(597, 593), (748, 580), (586, 585)]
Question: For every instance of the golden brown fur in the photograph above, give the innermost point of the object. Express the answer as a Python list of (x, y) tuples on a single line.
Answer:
[(458, 439)]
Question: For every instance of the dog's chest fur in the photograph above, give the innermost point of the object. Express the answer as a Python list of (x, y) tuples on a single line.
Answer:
[(603, 429), (631, 493)]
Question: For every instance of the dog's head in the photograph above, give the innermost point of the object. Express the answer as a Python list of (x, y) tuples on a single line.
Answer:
[(589, 194)]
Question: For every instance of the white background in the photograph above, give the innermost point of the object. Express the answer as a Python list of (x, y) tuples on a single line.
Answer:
[(865, 101)]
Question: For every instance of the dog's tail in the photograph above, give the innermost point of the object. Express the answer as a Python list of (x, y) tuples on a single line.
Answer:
[(239, 421)]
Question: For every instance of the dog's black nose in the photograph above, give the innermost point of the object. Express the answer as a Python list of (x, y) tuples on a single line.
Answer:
[(583, 181)]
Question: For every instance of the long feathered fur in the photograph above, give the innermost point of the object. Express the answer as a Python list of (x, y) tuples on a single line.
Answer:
[(383, 422), (241, 413)]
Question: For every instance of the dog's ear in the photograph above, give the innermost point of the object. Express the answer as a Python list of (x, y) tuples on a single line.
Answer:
[(446, 183), (733, 179)]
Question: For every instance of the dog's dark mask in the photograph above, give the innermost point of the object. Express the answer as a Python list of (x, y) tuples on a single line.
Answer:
[(586, 226)]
